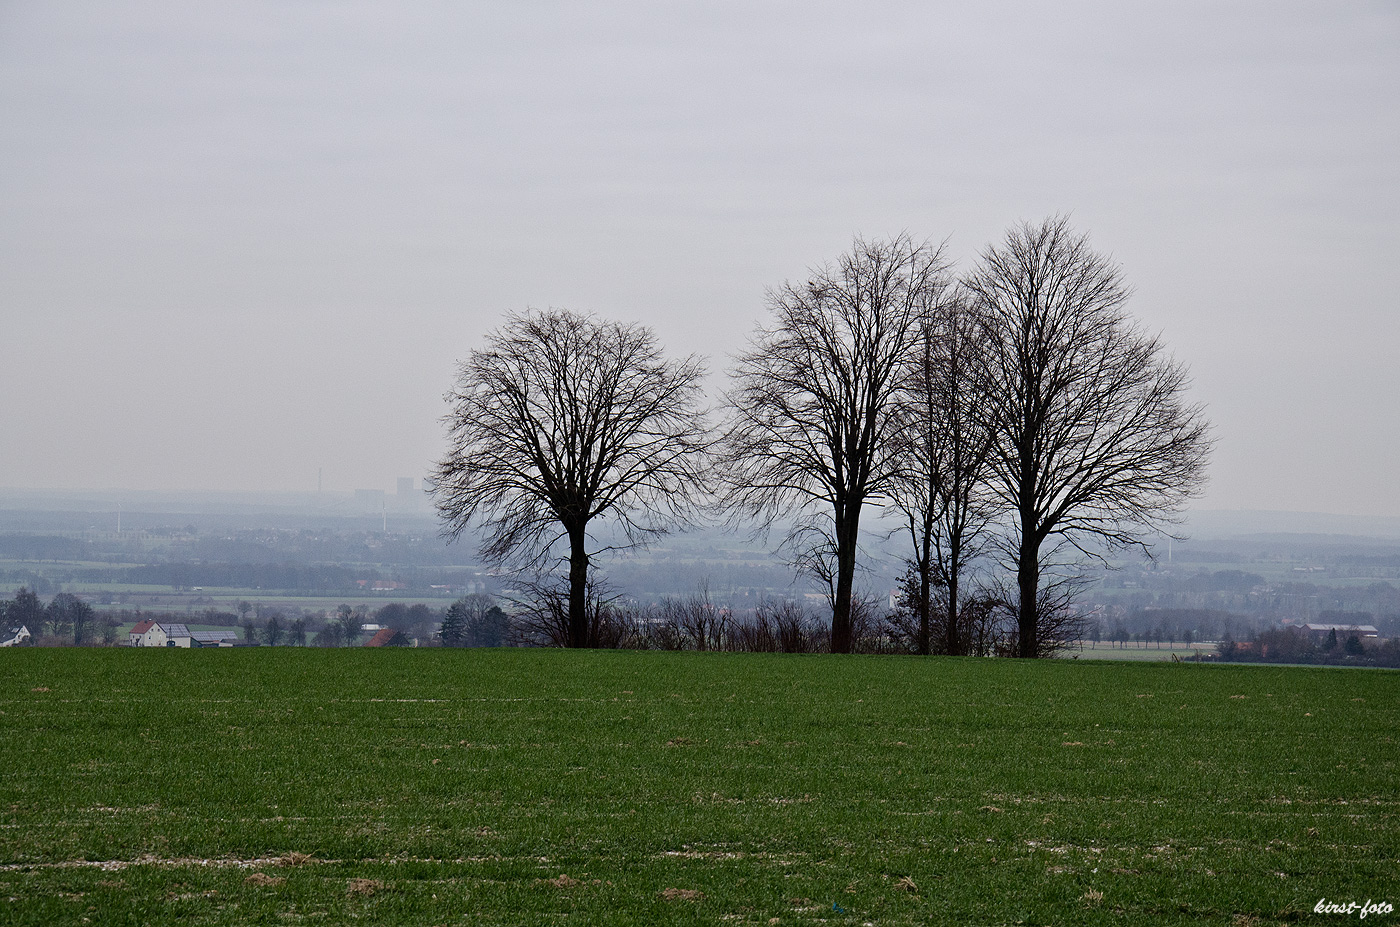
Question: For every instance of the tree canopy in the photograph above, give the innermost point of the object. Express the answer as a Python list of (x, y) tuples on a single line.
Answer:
[(812, 413), (561, 420), (1093, 438)]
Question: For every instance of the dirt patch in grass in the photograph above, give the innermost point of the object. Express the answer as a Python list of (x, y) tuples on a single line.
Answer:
[(563, 881), (116, 865), (263, 880), (295, 859)]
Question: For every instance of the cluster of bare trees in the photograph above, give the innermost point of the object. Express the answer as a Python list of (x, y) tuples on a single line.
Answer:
[(692, 622), (66, 617), (1015, 415)]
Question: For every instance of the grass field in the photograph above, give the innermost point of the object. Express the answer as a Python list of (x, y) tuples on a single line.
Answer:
[(295, 786)]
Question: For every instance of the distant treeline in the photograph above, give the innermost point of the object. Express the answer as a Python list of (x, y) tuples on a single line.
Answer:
[(67, 619), (1291, 645), (43, 547)]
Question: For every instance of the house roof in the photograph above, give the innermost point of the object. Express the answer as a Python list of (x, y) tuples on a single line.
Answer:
[(143, 627), (388, 637), (176, 630), (213, 637)]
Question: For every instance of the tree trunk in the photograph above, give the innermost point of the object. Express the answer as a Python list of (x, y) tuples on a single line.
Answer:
[(925, 590), (953, 638), (925, 608), (578, 589), (841, 636), (1028, 581)]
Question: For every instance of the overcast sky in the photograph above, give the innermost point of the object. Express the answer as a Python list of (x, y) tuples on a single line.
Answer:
[(243, 243)]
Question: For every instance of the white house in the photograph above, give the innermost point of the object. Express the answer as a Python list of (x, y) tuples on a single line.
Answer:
[(155, 634), (9, 637), (146, 634)]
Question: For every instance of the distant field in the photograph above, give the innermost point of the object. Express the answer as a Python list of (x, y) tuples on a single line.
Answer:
[(1137, 652), (306, 786)]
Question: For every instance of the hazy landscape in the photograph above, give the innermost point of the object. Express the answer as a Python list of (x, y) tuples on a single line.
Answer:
[(701, 463), (194, 554)]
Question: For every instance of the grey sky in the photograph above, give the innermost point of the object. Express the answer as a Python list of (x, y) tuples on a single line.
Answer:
[(242, 242)]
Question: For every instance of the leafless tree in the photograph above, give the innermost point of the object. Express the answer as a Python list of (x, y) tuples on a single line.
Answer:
[(781, 626), (1059, 626), (940, 489), (542, 615), (984, 623), (1095, 439), (563, 420), (350, 623), (67, 613), (698, 623), (811, 414)]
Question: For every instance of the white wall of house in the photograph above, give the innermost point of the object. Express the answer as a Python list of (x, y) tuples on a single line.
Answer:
[(155, 637)]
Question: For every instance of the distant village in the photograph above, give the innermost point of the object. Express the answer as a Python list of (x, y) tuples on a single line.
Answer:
[(153, 633)]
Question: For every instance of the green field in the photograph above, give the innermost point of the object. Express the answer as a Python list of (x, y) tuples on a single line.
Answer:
[(307, 786)]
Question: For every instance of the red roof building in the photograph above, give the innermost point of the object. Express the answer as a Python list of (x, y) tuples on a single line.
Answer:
[(138, 632), (388, 637)]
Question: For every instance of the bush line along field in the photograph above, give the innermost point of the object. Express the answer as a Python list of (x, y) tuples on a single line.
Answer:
[(529, 786)]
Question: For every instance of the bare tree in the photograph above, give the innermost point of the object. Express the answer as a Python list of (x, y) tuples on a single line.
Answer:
[(779, 626), (350, 624), (1094, 437), (812, 410), (542, 616), (68, 613), (1058, 624), (563, 420), (694, 622), (940, 490)]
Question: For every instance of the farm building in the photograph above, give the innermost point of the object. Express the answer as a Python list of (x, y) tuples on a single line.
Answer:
[(388, 637), (146, 634), (154, 634), (227, 638), (1319, 631), (171, 634), (177, 635), (11, 637)]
